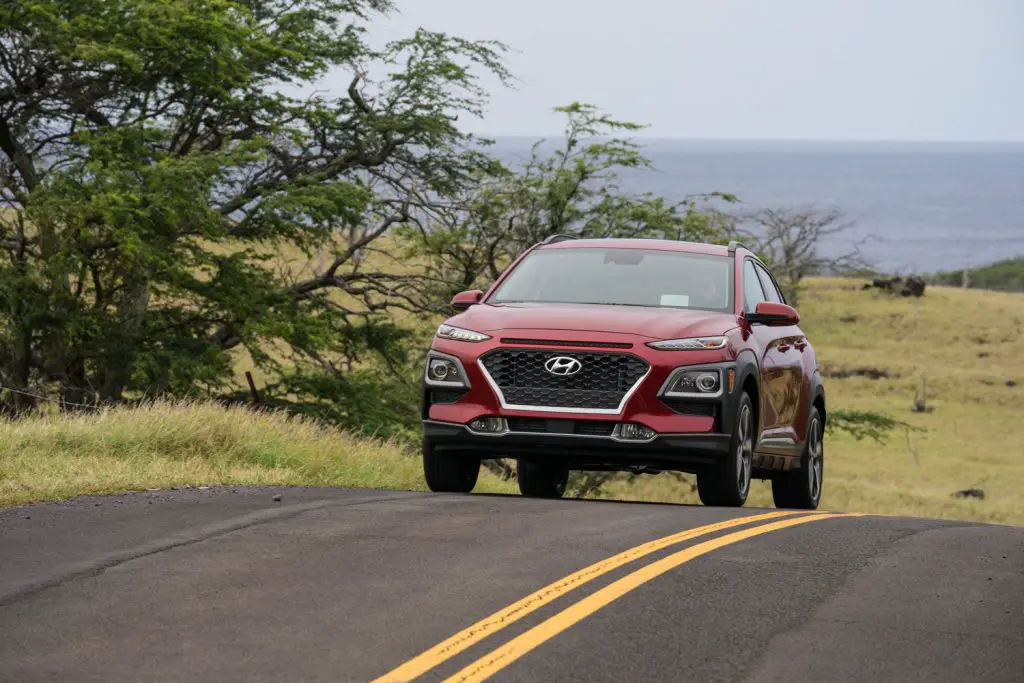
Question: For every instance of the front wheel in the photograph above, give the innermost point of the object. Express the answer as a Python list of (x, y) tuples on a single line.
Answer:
[(541, 480), (728, 482), (801, 489), (449, 472)]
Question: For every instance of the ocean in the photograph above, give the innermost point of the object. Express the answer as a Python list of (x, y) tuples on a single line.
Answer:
[(916, 207)]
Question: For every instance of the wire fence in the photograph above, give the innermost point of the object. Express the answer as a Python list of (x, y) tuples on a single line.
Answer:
[(49, 399), (255, 396)]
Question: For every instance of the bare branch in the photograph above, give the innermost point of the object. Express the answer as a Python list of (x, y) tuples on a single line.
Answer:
[(790, 240)]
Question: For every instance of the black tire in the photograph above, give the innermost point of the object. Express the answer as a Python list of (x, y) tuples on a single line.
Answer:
[(541, 480), (727, 484), (801, 489), (449, 472)]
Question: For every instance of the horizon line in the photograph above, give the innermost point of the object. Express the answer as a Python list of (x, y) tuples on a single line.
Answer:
[(833, 141)]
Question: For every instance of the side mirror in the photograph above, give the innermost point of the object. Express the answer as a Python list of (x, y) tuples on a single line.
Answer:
[(464, 300), (773, 314)]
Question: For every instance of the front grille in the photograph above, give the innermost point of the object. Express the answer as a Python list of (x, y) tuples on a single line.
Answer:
[(601, 383), (578, 427)]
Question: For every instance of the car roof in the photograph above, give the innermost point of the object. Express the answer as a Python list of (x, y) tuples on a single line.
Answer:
[(659, 245)]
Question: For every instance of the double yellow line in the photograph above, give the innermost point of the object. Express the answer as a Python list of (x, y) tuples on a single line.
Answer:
[(502, 656)]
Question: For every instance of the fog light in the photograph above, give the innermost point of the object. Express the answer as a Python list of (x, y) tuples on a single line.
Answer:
[(632, 431), (440, 369), (685, 383), (488, 425), (444, 371), (708, 382)]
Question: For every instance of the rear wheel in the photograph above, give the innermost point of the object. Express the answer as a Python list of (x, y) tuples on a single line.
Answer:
[(728, 482), (449, 472), (541, 480), (801, 489)]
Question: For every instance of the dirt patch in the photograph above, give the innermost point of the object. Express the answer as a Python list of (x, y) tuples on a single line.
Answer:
[(870, 373)]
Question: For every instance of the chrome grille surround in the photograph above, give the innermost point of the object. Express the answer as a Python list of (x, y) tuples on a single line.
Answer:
[(602, 387)]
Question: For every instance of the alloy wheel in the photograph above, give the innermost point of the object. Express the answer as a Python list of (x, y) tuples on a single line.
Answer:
[(744, 451), (815, 452)]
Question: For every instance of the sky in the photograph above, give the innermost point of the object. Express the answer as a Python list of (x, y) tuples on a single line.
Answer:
[(936, 70)]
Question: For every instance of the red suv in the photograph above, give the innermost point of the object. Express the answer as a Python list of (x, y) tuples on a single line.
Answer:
[(633, 355)]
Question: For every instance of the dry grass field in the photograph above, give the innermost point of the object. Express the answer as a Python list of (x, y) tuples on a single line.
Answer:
[(967, 348)]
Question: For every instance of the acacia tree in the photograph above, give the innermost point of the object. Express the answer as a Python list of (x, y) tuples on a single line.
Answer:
[(151, 166), (569, 188)]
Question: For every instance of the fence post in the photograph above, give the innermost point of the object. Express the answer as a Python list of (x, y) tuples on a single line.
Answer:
[(252, 388)]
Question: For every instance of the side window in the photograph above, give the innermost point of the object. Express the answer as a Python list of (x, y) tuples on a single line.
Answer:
[(752, 292), (770, 290)]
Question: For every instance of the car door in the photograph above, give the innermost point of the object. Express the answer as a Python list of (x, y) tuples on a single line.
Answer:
[(765, 343), (789, 382)]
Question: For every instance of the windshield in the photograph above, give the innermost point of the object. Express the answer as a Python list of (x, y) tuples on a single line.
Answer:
[(624, 277)]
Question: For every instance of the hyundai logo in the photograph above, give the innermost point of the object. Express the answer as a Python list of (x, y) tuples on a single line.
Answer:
[(563, 366)]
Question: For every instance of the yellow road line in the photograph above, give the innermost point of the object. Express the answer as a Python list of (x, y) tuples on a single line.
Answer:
[(447, 649), (504, 655)]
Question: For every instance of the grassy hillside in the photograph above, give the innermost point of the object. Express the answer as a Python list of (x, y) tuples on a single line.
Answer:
[(966, 345), (1005, 276), (164, 445)]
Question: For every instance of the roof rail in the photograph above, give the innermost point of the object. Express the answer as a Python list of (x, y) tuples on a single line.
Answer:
[(734, 245), (554, 239)]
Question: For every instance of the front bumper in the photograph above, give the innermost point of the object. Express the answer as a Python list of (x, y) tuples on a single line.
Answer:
[(678, 451), (690, 433), (645, 404)]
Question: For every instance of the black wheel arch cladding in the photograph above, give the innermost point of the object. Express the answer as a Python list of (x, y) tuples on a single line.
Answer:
[(817, 395), (748, 371)]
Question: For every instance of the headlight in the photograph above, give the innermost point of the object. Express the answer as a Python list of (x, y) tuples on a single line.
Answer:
[(690, 344), (694, 383), (459, 334), (445, 371)]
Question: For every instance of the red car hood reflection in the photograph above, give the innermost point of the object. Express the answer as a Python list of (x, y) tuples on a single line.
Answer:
[(653, 323)]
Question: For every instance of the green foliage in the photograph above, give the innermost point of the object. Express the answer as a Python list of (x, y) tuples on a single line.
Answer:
[(573, 189), (862, 424), (150, 165), (1004, 276)]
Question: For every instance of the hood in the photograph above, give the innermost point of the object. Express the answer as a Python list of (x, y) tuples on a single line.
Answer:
[(653, 323)]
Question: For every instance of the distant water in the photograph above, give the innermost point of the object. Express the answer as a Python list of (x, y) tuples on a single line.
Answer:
[(922, 206)]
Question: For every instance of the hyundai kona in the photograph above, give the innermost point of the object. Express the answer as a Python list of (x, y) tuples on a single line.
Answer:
[(632, 355)]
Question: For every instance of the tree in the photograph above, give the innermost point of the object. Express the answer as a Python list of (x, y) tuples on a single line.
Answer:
[(151, 167), (466, 241), (790, 240)]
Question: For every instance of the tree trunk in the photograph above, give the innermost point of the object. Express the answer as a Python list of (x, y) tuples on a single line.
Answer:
[(21, 371), (131, 312), (75, 393)]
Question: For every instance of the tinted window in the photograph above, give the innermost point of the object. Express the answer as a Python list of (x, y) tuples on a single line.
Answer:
[(626, 277), (752, 292), (770, 290)]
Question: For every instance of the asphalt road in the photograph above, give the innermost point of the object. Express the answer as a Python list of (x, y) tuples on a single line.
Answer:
[(335, 585)]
